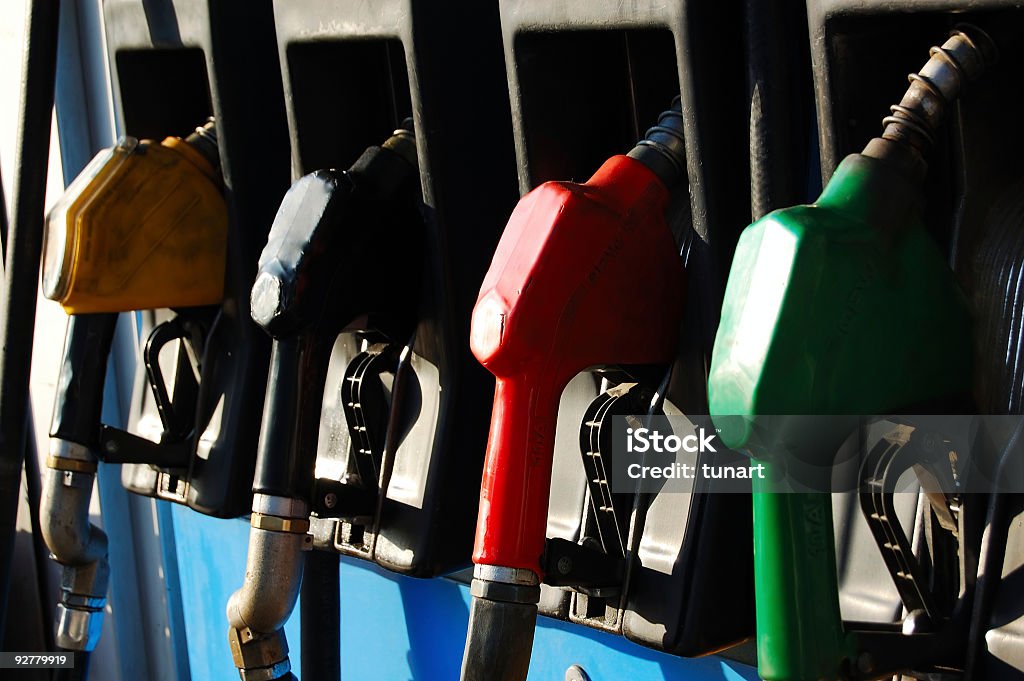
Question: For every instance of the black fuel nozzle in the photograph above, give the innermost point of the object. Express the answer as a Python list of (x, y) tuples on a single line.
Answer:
[(344, 246), (339, 231)]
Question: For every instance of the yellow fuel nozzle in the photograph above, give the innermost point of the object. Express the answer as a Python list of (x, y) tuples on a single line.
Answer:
[(144, 226)]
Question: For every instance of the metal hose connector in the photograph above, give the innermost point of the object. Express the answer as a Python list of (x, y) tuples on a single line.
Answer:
[(258, 610), (963, 58), (403, 142), (204, 140), (79, 546)]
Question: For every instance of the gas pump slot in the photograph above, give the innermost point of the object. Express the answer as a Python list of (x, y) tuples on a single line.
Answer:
[(345, 95), (626, 80), (567, 61), (624, 74), (147, 229), (881, 194), (349, 82), (329, 128), (162, 90), (928, 585), (531, 278), (173, 70)]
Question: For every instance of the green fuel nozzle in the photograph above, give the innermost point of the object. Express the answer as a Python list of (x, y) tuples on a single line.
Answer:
[(841, 307)]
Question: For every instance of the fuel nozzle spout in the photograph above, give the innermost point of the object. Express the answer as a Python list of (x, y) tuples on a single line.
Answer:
[(909, 132), (344, 245), (502, 620)]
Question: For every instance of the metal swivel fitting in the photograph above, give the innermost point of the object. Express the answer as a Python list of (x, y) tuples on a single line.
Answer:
[(964, 57), (257, 612), (79, 546), (204, 140)]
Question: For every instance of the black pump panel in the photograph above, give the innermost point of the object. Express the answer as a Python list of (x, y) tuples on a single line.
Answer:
[(348, 82), (586, 80), (862, 51), (176, 63)]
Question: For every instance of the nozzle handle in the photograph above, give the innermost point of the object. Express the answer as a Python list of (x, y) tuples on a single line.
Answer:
[(79, 401), (329, 237), (513, 514), (286, 455), (799, 627)]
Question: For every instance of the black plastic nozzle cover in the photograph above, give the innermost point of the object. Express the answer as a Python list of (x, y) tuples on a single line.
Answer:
[(343, 245)]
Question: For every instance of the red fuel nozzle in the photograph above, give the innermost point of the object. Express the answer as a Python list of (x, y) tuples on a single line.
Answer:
[(584, 275)]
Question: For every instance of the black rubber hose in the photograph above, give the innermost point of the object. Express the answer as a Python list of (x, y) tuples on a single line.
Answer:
[(33, 489), (22, 253), (3, 224), (663, 148)]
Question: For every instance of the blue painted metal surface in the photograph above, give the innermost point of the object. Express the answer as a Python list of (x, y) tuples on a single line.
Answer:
[(396, 628)]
